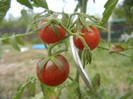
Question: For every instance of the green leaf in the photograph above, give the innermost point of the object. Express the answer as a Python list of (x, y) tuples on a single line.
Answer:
[(131, 57), (4, 7), (130, 80), (29, 83), (126, 95), (32, 86), (77, 7), (26, 3), (55, 30), (12, 41), (56, 62), (73, 85), (109, 7), (19, 40), (19, 92), (86, 56), (132, 10), (41, 3), (124, 46), (25, 15), (130, 42), (96, 82), (0, 50), (48, 92), (71, 90), (5, 36)]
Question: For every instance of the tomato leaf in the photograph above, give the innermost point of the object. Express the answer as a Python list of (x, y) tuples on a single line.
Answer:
[(86, 56), (4, 6), (12, 41), (96, 81), (5, 36), (71, 90), (41, 3), (55, 30), (126, 95), (130, 80), (26, 3), (77, 7), (131, 57), (118, 48), (32, 86), (84, 23), (48, 92), (19, 40), (56, 62), (25, 15), (20, 90), (43, 63), (130, 41), (0, 50), (109, 7)]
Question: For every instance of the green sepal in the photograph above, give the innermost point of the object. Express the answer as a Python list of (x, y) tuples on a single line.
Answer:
[(44, 25), (86, 56), (55, 30), (42, 64), (56, 63), (82, 19), (38, 57)]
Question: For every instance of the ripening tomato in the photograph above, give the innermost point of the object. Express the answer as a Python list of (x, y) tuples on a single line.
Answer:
[(92, 38), (51, 75), (47, 34)]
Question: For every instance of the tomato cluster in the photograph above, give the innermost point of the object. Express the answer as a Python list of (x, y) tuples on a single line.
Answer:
[(51, 75)]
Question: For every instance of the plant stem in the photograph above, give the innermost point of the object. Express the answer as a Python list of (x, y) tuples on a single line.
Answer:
[(78, 89), (25, 34), (116, 53)]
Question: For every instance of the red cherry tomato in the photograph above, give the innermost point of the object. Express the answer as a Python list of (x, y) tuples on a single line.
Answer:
[(48, 35), (92, 39), (51, 75)]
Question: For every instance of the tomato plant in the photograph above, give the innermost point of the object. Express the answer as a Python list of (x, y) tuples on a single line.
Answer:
[(48, 35), (53, 69), (51, 75), (92, 38)]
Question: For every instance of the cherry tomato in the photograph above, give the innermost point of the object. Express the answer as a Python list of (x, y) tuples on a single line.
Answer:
[(92, 38), (47, 34), (51, 75)]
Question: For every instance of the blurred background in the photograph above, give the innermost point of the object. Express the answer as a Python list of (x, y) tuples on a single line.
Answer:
[(116, 71)]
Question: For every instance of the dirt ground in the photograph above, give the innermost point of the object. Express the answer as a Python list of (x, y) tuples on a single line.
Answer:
[(15, 68)]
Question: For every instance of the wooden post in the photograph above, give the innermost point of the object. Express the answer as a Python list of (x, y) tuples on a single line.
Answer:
[(109, 31)]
